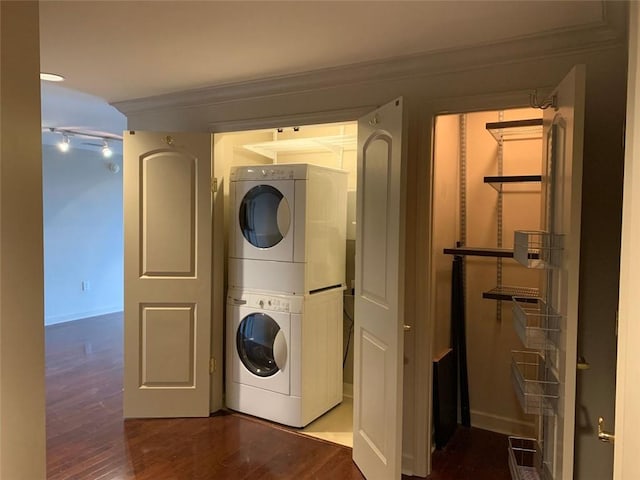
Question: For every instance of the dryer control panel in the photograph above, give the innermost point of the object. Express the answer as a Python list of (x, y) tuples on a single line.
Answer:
[(263, 172), (261, 301)]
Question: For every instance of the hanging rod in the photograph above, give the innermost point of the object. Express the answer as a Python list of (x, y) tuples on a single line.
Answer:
[(73, 132)]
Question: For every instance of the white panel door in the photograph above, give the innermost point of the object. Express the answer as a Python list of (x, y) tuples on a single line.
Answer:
[(562, 198), (378, 360), (167, 274)]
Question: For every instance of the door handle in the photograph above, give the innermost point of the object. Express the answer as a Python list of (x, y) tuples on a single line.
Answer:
[(407, 328), (602, 435), (583, 364)]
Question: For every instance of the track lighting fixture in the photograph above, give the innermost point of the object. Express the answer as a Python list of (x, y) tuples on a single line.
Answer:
[(64, 144), (106, 151)]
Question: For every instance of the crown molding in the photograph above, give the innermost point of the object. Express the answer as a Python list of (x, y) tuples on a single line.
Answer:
[(308, 118), (608, 32)]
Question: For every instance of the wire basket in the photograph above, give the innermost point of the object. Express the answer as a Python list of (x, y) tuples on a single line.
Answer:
[(535, 385), (536, 249), (536, 323)]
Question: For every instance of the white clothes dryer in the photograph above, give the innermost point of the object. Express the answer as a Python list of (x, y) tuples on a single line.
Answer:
[(284, 354), (288, 230)]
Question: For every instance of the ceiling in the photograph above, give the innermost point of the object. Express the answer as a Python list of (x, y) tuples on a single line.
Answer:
[(123, 50)]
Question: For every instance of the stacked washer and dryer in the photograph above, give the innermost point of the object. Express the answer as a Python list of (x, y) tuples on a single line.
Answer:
[(286, 280)]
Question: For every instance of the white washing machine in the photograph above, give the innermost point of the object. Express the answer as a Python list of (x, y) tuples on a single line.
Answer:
[(284, 354), (288, 230)]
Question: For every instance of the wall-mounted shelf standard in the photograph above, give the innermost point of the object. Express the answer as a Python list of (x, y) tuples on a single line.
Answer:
[(516, 129), (535, 385), (507, 293), (514, 183), (536, 323), (548, 247), (335, 144)]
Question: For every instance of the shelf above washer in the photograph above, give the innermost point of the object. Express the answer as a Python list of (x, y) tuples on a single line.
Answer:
[(335, 144)]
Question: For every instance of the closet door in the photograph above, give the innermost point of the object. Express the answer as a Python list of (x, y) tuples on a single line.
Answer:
[(562, 199), (167, 264), (379, 329)]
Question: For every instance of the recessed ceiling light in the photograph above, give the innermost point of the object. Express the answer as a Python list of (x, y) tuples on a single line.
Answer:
[(51, 77)]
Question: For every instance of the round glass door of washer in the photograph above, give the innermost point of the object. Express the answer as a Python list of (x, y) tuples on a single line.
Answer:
[(264, 216), (261, 345)]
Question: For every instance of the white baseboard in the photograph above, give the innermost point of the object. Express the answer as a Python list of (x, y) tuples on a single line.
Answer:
[(68, 317), (347, 390), (500, 424)]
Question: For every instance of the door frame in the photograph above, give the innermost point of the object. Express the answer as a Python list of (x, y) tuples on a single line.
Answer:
[(625, 464)]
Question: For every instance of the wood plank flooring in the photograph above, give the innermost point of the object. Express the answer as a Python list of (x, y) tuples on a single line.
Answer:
[(472, 454), (87, 438)]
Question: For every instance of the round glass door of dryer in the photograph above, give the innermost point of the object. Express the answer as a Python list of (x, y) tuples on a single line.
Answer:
[(261, 345), (264, 216)]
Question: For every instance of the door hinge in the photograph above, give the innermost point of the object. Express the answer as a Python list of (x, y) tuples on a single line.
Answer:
[(214, 184), (212, 365)]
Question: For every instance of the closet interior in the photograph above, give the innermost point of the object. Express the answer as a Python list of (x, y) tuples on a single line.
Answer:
[(489, 216), (327, 145)]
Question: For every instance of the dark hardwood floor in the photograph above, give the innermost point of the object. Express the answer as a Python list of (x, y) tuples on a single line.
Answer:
[(472, 454), (87, 439)]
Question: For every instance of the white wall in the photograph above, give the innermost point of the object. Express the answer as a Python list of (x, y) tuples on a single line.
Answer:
[(82, 234), (22, 390), (626, 464)]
